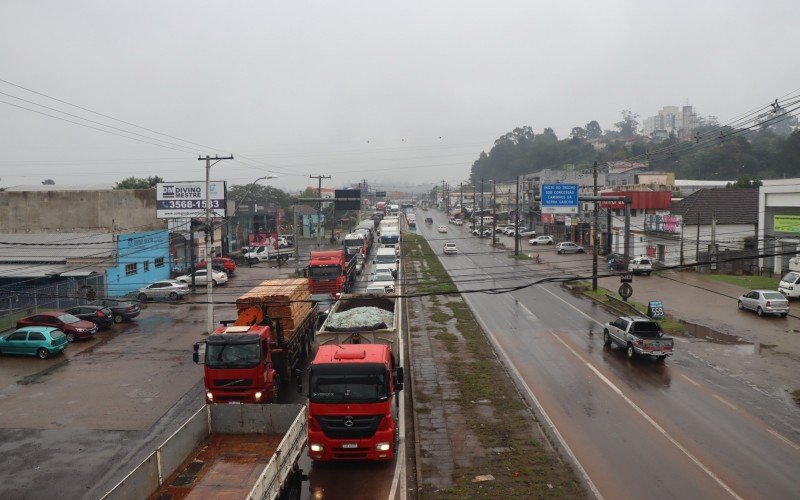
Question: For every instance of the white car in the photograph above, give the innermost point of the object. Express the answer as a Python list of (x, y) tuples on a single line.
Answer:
[(764, 302), (569, 247), (641, 265), (165, 289), (458, 222), (542, 240), (526, 233), (442, 229), (450, 248), (217, 278), (382, 276)]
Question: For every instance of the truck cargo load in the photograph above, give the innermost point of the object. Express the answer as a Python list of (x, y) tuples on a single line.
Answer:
[(225, 451), (360, 318)]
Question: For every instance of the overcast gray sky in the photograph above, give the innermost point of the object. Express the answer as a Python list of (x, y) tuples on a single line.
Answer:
[(387, 91)]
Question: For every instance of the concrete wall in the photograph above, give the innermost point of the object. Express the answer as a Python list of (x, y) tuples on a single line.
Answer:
[(78, 211)]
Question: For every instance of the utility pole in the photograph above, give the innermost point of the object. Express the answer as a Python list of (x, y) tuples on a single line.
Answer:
[(481, 235), (319, 205), (595, 224), (296, 239), (627, 244), (494, 212), (461, 199), (697, 242), (209, 229), (712, 254), (682, 229), (516, 223)]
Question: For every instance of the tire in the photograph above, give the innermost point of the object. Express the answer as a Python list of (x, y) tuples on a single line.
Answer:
[(142, 297), (783, 315), (70, 337), (549, 242), (630, 351), (760, 311), (661, 359), (118, 318), (42, 353), (581, 251), (213, 282), (606, 338), (647, 273), (740, 305), (559, 252), (173, 295)]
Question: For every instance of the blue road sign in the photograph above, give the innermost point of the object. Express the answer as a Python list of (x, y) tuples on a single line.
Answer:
[(559, 198)]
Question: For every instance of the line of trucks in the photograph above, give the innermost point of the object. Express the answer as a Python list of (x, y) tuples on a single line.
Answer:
[(242, 443)]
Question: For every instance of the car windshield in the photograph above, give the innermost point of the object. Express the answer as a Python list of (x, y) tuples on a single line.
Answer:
[(790, 277), (68, 318), (383, 277), (232, 355), (385, 259), (646, 329), (362, 383), (323, 272), (774, 296), (57, 334), (354, 242)]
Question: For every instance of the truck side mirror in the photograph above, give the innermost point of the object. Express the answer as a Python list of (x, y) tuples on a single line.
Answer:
[(398, 375), (298, 376), (196, 353)]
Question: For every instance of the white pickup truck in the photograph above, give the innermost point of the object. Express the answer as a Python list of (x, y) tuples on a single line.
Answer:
[(639, 336), (266, 252), (641, 265)]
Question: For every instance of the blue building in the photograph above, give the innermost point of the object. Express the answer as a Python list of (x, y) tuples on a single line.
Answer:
[(142, 258)]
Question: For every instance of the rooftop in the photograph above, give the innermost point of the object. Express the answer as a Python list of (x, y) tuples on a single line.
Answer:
[(730, 206)]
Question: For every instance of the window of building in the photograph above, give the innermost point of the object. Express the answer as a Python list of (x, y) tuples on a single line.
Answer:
[(130, 269), (159, 261), (146, 265)]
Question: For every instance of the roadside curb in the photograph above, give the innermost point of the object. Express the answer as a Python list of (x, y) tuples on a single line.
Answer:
[(413, 399)]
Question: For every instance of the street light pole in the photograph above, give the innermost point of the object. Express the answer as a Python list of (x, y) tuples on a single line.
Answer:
[(209, 293)]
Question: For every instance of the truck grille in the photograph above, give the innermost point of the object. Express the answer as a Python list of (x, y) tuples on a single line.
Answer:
[(363, 426), (233, 382)]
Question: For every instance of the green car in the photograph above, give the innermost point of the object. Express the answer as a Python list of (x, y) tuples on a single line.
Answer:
[(39, 341)]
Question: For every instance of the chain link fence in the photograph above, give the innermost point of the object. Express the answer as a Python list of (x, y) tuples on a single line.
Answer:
[(19, 301)]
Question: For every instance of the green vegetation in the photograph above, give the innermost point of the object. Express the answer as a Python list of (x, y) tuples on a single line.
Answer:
[(522, 465), (138, 183), (521, 256), (749, 282)]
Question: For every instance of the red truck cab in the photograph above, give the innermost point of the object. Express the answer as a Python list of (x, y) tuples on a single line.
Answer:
[(330, 271), (238, 367), (350, 410)]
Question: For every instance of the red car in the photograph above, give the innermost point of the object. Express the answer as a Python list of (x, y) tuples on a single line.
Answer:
[(73, 327), (226, 262)]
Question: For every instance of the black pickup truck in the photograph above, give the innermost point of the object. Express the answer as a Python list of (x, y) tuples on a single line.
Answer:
[(639, 336)]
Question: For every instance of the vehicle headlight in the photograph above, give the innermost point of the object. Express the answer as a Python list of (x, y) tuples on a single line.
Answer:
[(209, 396), (258, 396), (383, 446), (316, 448)]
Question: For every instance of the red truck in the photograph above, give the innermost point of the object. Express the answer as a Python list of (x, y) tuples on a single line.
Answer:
[(274, 331), (354, 382), (331, 271)]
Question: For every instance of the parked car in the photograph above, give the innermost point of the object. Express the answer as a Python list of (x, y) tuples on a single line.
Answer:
[(217, 278), (442, 229), (526, 233), (569, 247), (288, 238), (542, 240), (99, 315), (486, 232), (615, 262), (282, 242), (790, 285), (74, 328), (122, 310), (502, 229), (39, 341), (458, 222), (641, 265), (450, 248), (170, 289), (510, 231), (765, 302), (227, 264)]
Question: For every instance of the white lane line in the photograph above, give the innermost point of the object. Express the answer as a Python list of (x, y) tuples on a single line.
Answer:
[(652, 422), (784, 439), (536, 402), (400, 459), (725, 402), (690, 380), (572, 306)]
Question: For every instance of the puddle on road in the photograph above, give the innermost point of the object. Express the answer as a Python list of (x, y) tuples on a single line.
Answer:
[(38, 377), (706, 333)]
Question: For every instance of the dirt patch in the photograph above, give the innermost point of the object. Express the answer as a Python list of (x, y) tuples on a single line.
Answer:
[(489, 429)]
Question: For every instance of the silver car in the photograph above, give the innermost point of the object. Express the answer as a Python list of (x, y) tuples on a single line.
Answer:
[(166, 289), (568, 247), (765, 302)]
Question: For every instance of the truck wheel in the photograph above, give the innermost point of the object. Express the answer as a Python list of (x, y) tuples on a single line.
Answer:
[(630, 351), (606, 338)]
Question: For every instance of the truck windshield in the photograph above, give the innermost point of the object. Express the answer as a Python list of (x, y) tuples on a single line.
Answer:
[(646, 329), (354, 242), (323, 272), (385, 259), (354, 382), (389, 238), (232, 355)]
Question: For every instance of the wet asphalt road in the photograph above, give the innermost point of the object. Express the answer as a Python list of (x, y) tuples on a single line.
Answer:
[(637, 428)]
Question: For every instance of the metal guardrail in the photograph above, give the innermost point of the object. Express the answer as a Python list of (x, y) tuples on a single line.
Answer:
[(623, 306)]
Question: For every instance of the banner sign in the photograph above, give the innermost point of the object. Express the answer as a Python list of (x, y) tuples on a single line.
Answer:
[(559, 198), (786, 223), (658, 223), (188, 199)]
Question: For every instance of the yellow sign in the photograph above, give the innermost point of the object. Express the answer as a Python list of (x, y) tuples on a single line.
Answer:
[(786, 224)]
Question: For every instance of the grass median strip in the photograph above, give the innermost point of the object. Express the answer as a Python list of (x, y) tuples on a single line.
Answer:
[(510, 447)]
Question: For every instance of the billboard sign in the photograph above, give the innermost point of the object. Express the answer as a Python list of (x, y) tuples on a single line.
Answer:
[(786, 223), (658, 223), (559, 198), (176, 200)]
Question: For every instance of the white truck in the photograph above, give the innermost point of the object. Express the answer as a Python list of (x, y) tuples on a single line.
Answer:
[(265, 253), (641, 265), (245, 450)]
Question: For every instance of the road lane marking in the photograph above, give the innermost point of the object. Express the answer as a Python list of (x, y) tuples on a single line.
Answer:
[(572, 306), (725, 402), (690, 380), (510, 365), (784, 439), (400, 461), (650, 420)]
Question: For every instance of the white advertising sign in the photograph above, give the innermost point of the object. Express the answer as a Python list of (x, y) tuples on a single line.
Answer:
[(188, 199)]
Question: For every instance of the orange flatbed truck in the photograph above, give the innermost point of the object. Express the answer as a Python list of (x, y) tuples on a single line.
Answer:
[(225, 452)]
